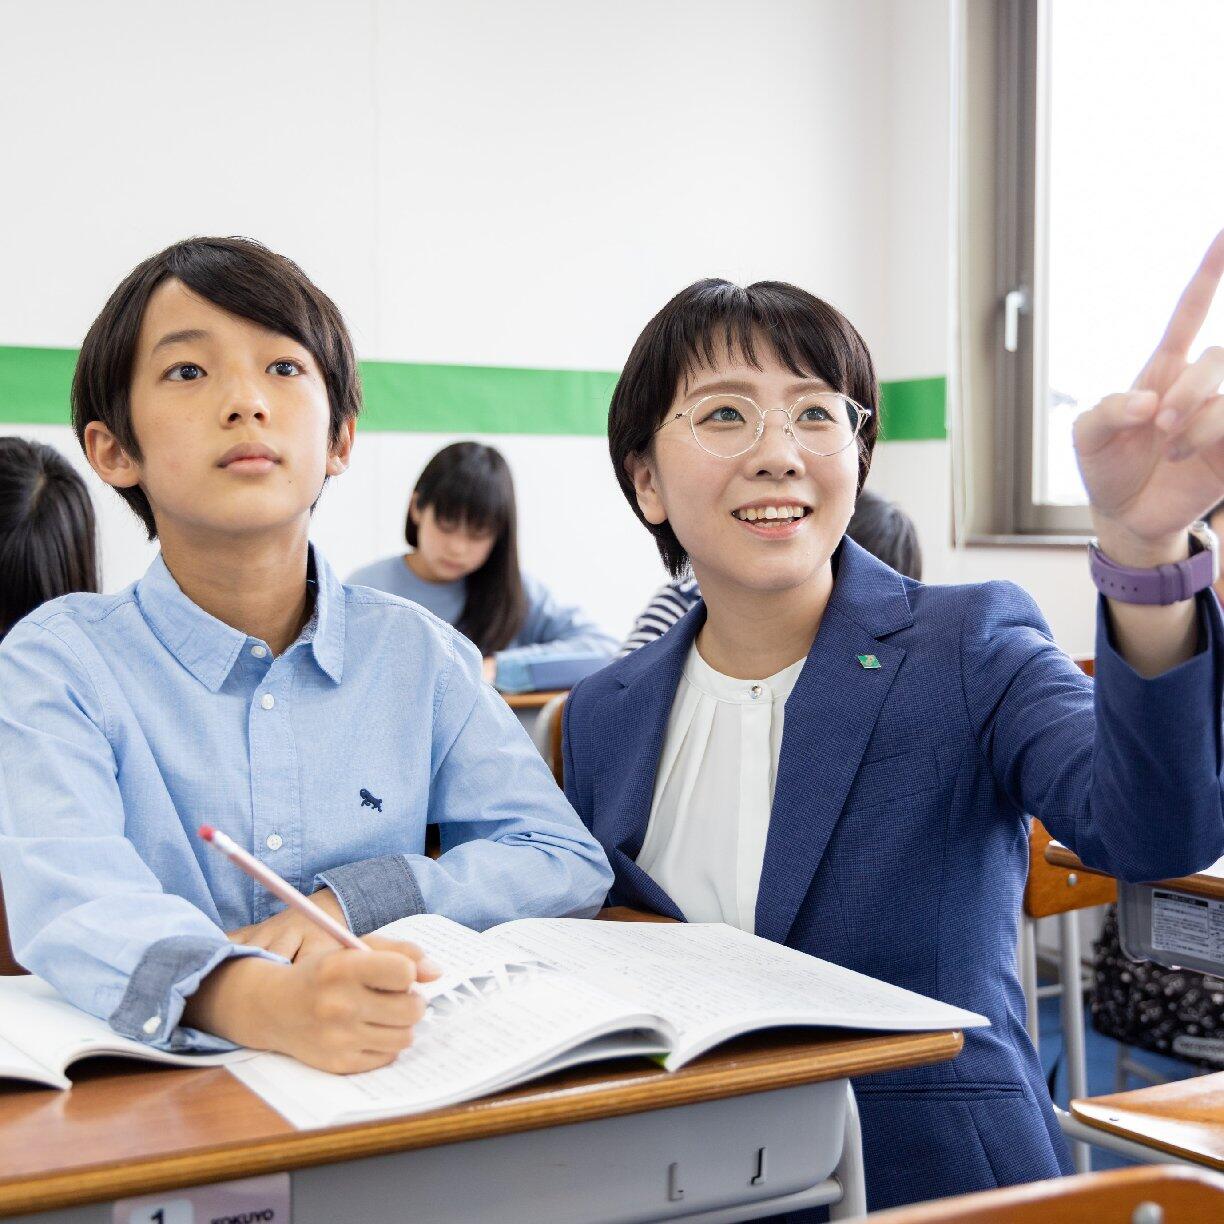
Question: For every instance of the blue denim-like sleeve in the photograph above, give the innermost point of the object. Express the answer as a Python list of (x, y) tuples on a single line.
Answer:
[(512, 845), (167, 974), (374, 892)]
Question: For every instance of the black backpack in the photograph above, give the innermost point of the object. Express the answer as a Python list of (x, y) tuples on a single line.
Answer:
[(1175, 1012)]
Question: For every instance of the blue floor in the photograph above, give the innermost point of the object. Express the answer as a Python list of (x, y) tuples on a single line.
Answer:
[(1102, 1053)]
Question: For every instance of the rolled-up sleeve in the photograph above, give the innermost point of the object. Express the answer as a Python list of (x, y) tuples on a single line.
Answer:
[(85, 912)]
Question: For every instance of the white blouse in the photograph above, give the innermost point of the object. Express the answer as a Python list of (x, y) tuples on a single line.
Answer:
[(709, 819)]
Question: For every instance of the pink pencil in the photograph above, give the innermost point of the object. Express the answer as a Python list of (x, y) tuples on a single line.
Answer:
[(280, 888)]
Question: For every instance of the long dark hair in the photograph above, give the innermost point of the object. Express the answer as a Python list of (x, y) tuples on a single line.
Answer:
[(47, 545), (470, 485)]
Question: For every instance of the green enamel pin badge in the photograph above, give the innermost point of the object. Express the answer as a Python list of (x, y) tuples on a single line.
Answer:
[(868, 662)]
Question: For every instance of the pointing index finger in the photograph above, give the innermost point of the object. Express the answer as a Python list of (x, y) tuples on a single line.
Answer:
[(1188, 316)]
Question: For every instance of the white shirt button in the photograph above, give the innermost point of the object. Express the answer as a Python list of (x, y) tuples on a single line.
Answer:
[(274, 842), (267, 701), (260, 652), (151, 1025), (756, 690)]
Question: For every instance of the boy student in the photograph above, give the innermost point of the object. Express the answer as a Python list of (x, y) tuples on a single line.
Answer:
[(238, 683), (840, 758)]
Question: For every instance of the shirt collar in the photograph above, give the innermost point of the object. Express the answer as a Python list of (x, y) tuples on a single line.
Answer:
[(327, 640), (208, 648)]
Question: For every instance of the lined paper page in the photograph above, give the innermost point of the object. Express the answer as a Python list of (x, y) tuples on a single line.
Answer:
[(712, 981), (476, 1045)]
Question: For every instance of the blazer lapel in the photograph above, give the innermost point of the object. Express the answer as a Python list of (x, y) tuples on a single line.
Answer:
[(830, 716), (636, 719)]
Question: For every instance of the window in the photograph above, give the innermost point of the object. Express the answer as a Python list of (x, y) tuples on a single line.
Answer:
[(1109, 149)]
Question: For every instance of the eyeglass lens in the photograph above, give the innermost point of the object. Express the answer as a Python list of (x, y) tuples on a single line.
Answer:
[(823, 423)]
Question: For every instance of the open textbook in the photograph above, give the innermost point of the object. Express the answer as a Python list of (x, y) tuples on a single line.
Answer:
[(534, 996), (42, 1035)]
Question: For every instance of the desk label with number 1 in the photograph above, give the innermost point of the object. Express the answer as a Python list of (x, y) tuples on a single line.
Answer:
[(1189, 926), (253, 1200)]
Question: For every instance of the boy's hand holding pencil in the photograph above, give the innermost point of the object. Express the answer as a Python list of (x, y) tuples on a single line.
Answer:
[(343, 1009)]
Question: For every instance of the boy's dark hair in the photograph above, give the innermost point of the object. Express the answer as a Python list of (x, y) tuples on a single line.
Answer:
[(47, 532), (239, 275), (712, 319), (470, 485), (885, 530)]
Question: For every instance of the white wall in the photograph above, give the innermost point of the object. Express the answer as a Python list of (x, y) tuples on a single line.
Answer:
[(515, 184)]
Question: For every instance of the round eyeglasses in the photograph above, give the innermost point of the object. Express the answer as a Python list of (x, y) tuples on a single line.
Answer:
[(823, 423)]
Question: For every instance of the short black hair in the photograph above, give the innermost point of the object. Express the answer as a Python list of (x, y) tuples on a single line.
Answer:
[(239, 275), (469, 484), (48, 542), (887, 532), (713, 318)]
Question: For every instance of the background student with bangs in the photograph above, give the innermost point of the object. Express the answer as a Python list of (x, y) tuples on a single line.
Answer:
[(840, 758), (462, 528), (239, 683)]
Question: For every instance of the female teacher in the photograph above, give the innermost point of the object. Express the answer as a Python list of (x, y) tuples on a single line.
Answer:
[(845, 760)]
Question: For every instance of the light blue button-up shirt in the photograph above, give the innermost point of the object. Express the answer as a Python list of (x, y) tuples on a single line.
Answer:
[(128, 720)]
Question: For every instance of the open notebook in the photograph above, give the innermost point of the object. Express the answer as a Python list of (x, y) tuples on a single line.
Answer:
[(534, 996), (41, 1036)]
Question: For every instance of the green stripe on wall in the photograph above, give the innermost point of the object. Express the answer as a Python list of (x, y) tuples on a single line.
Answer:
[(407, 397), (913, 409)]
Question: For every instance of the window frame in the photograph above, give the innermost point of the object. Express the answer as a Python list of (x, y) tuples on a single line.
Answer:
[(1021, 334)]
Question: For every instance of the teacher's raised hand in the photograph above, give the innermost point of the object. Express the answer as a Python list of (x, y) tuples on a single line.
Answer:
[(1152, 458)]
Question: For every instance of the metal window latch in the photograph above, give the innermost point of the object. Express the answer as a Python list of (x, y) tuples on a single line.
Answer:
[(1015, 304)]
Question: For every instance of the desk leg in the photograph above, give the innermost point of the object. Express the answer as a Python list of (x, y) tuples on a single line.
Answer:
[(1071, 1003), (1028, 977), (849, 1172)]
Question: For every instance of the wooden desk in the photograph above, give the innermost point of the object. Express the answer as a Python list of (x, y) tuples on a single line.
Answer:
[(530, 701), (122, 1132), (1150, 915)]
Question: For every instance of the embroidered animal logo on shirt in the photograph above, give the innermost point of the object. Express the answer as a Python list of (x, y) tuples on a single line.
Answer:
[(370, 801)]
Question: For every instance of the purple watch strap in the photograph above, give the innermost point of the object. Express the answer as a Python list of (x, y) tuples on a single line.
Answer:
[(1165, 584)]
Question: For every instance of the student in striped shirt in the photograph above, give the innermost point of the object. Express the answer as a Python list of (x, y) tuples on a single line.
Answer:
[(880, 526)]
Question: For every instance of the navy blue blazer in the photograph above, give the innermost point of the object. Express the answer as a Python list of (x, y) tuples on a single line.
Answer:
[(898, 840)]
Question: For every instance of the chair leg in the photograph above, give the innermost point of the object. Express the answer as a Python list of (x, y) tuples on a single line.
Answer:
[(1028, 976), (1071, 1004)]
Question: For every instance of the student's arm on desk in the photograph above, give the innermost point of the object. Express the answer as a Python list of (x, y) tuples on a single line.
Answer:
[(341, 1011), (88, 914), (85, 911), (560, 645), (511, 845)]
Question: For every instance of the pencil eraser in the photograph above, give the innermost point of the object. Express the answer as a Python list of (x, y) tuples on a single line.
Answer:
[(206, 832)]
